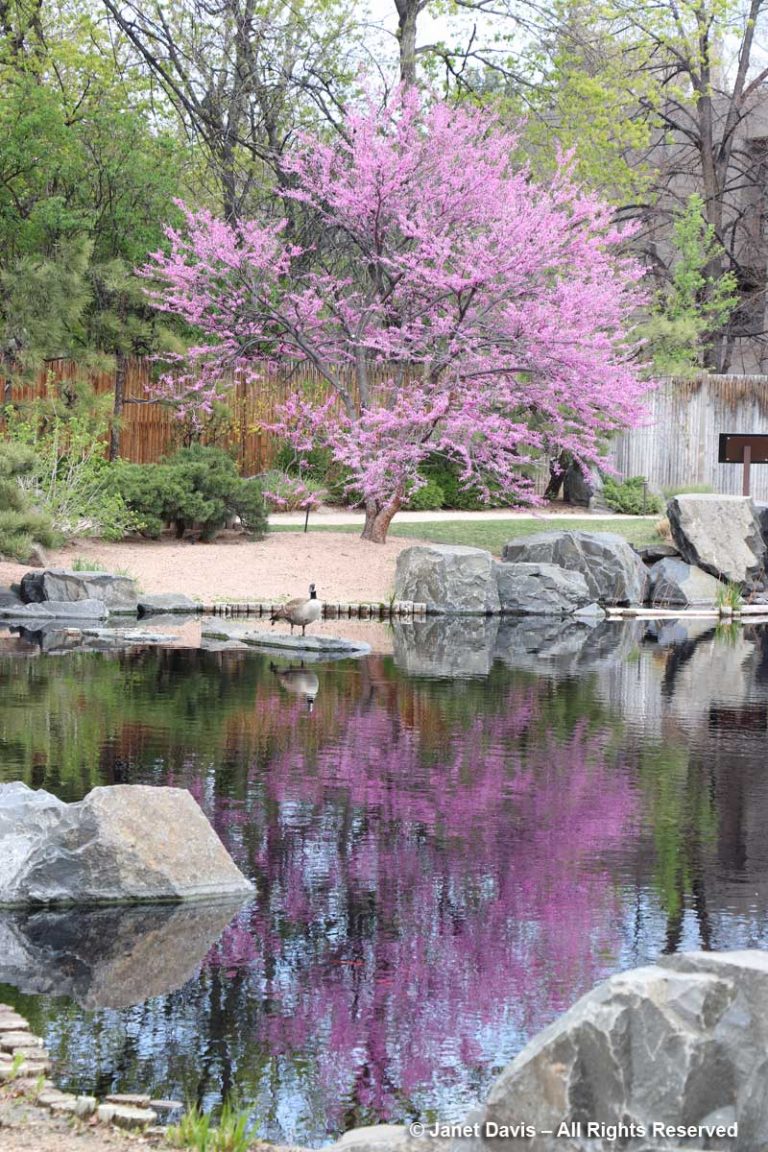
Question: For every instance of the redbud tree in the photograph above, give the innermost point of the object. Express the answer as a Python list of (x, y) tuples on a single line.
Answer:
[(450, 305)]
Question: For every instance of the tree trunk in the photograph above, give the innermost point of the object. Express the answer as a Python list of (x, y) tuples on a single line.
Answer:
[(378, 518), (121, 371), (407, 18)]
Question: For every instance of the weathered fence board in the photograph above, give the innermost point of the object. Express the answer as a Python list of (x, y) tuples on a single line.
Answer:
[(678, 445)]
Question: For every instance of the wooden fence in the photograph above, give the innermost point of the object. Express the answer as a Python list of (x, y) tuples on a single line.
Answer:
[(677, 446)]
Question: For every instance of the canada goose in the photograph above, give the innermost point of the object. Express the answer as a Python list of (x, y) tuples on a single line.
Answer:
[(300, 612), (299, 681)]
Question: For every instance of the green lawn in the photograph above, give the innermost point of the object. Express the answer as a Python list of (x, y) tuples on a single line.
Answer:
[(494, 534)]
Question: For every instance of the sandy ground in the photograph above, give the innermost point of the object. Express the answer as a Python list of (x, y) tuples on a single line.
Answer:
[(343, 567)]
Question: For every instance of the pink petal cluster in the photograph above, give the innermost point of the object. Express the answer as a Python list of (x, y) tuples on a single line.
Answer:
[(448, 302)]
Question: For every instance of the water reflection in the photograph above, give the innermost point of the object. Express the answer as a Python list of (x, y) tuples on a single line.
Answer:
[(448, 848)]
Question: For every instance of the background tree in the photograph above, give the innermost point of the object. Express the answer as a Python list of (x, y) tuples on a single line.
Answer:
[(498, 310)]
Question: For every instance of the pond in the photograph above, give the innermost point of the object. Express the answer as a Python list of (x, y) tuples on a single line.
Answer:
[(449, 846)]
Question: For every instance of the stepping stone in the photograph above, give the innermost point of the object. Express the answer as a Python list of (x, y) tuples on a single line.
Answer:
[(131, 1099), (123, 1116), (50, 1096), (12, 1022), (11, 1040), (167, 1105)]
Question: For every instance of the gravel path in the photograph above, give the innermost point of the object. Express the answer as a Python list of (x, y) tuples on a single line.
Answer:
[(343, 567)]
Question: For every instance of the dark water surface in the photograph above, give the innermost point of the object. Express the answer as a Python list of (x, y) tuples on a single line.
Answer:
[(448, 849)]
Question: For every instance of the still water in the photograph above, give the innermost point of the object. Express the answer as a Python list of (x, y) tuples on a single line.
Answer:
[(449, 846)]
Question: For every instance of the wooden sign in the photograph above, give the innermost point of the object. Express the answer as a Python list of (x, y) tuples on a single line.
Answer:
[(746, 448)]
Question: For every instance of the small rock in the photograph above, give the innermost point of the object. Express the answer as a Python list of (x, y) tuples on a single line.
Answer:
[(50, 1096), (37, 557), (131, 1099), (124, 1116), (11, 1040), (11, 1022)]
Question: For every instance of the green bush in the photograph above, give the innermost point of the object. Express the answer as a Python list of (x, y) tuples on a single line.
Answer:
[(428, 498), (196, 486), (314, 465), (21, 525), (286, 493), (248, 503), (71, 478), (456, 495), (630, 496)]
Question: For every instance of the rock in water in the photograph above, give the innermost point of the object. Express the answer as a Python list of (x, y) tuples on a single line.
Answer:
[(117, 592), (614, 573), (677, 584), (678, 1043), (122, 844), (720, 534), (450, 579), (541, 590)]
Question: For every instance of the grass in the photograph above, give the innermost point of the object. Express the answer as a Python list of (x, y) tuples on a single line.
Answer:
[(494, 534), (196, 1131)]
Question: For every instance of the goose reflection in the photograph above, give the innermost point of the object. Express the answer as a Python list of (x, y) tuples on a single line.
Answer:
[(299, 681)]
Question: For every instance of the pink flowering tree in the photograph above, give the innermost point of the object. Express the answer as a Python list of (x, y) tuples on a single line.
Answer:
[(450, 305)]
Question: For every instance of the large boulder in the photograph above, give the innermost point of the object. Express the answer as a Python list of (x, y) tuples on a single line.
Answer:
[(167, 602), (613, 571), (541, 590), (677, 584), (720, 534), (682, 1042), (450, 579), (117, 592), (585, 489), (122, 844)]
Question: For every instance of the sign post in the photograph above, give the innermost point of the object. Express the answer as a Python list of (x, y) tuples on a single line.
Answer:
[(745, 449)]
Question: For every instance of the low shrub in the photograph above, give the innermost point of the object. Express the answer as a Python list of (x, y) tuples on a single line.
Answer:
[(687, 490), (22, 525), (285, 493), (428, 498), (457, 495), (197, 486), (630, 496)]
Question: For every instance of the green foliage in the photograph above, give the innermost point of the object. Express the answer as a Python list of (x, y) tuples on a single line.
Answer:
[(196, 486), (21, 525), (66, 434), (427, 498), (84, 564), (314, 465), (689, 313), (729, 596), (286, 493), (456, 494), (195, 1130), (630, 496), (248, 503)]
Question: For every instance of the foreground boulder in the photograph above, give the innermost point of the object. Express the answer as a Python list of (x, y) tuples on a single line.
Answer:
[(613, 571), (720, 534), (450, 579), (59, 584), (541, 590), (677, 584), (121, 844), (682, 1042), (55, 610)]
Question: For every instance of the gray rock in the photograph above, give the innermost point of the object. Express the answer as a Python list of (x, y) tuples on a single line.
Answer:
[(720, 534), (37, 557), (450, 579), (541, 590), (387, 1138), (9, 599), (109, 957), (581, 488), (446, 646), (308, 647), (117, 592), (56, 610), (677, 584), (655, 552), (169, 602), (614, 573), (125, 843), (678, 1043)]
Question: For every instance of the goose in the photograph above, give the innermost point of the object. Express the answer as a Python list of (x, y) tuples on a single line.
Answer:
[(300, 612), (299, 681)]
